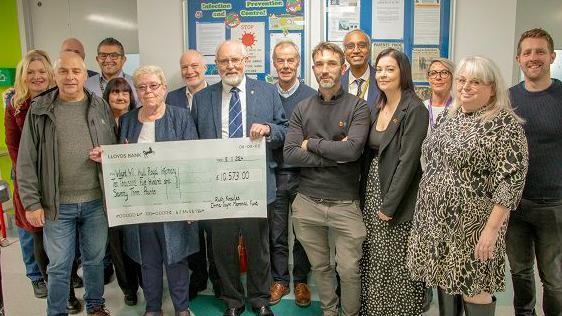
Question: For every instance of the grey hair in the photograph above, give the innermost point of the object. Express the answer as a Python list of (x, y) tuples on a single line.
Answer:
[(449, 64), (360, 32), (284, 43), (149, 70), (235, 42), (485, 70), (58, 61)]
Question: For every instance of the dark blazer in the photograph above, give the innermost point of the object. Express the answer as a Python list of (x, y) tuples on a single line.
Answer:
[(373, 93), (182, 239), (263, 106), (399, 158), (177, 98)]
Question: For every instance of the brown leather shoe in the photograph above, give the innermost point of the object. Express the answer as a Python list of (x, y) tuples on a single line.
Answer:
[(277, 291), (302, 295)]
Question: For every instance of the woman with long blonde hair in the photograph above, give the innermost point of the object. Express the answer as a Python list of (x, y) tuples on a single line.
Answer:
[(34, 75)]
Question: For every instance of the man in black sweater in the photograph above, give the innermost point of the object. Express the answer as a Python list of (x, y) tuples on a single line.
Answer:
[(286, 60), (535, 229), (325, 138)]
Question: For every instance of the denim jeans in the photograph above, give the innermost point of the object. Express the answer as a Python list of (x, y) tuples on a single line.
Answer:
[(60, 242), (26, 243), (535, 230), (287, 183)]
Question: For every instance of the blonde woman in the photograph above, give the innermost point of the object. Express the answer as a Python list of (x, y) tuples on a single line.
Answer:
[(476, 165), (34, 75)]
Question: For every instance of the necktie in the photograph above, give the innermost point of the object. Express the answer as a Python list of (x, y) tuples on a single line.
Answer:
[(234, 115), (359, 82), (189, 97)]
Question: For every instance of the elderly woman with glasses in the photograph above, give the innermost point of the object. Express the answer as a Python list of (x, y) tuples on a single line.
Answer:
[(476, 165), (168, 244)]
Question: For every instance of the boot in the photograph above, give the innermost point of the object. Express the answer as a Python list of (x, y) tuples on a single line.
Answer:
[(449, 305), (480, 309)]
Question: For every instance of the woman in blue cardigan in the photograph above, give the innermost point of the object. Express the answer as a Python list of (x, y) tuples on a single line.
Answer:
[(169, 243)]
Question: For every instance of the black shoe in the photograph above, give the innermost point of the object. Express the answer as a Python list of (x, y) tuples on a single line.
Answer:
[(39, 288), (217, 289), (77, 281), (73, 305), (131, 299), (263, 311), (234, 311), (107, 275)]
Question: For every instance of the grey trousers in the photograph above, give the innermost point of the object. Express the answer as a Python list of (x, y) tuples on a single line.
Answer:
[(313, 220)]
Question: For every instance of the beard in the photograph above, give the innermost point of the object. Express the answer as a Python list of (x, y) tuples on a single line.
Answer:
[(327, 84), (233, 80)]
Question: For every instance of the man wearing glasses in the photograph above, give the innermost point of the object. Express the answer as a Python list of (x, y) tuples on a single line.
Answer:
[(359, 79), (236, 107), (111, 58)]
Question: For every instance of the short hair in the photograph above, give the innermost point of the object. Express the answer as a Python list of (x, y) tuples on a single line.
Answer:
[(536, 33), (322, 46), (22, 93), (110, 41), (70, 54), (406, 82), (360, 32), (236, 43), (149, 70), (120, 85), (449, 64), (284, 43), (484, 69)]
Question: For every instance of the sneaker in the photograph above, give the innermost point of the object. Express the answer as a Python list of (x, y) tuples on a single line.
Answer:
[(39, 288), (77, 281), (73, 305), (277, 291), (99, 311)]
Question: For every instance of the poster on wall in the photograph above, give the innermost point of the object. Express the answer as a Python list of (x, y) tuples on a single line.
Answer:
[(378, 47), (421, 58), (388, 19), (280, 37), (209, 22), (427, 18), (252, 36), (343, 16)]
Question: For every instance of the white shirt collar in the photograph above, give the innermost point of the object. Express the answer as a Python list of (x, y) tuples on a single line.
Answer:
[(291, 90), (242, 86), (364, 76)]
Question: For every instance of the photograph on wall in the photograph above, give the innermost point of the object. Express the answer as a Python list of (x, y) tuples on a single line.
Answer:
[(388, 19), (421, 58), (423, 92), (343, 16), (286, 22), (427, 22), (279, 37), (252, 36), (378, 47)]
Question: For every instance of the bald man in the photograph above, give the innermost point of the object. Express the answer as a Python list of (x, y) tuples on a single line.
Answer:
[(193, 68), (74, 45), (61, 187)]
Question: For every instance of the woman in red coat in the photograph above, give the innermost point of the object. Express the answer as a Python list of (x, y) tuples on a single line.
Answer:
[(34, 75)]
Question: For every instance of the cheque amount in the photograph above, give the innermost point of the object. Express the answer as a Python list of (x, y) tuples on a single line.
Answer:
[(238, 175)]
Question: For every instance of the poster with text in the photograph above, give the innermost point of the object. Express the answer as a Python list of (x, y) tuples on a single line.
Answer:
[(343, 16), (427, 22), (421, 58), (388, 19), (252, 36)]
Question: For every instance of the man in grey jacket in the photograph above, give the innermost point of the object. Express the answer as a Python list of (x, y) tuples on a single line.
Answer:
[(61, 187)]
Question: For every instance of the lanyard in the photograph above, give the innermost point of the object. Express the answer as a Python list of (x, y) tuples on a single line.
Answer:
[(447, 104)]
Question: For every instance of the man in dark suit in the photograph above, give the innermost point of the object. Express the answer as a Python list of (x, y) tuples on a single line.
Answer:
[(359, 79), (241, 107), (193, 68)]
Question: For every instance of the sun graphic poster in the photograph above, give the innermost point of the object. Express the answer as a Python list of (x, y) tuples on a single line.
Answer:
[(252, 36)]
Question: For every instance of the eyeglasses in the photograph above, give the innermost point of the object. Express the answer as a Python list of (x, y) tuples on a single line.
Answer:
[(146, 87), (236, 61), (113, 56), (360, 45), (434, 73), (472, 83)]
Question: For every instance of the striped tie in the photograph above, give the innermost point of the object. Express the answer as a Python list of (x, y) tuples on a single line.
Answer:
[(235, 115), (359, 82)]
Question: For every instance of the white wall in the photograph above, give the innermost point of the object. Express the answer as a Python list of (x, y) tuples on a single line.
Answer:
[(486, 27)]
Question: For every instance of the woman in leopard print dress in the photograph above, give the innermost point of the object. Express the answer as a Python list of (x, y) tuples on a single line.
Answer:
[(476, 165)]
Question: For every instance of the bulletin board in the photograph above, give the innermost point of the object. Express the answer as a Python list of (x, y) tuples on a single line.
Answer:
[(258, 24), (420, 28)]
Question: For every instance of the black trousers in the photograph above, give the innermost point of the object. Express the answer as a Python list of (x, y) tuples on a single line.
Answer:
[(287, 183), (127, 271), (226, 234), (198, 261)]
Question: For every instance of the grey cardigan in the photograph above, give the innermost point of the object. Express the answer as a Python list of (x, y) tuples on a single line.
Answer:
[(399, 158)]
